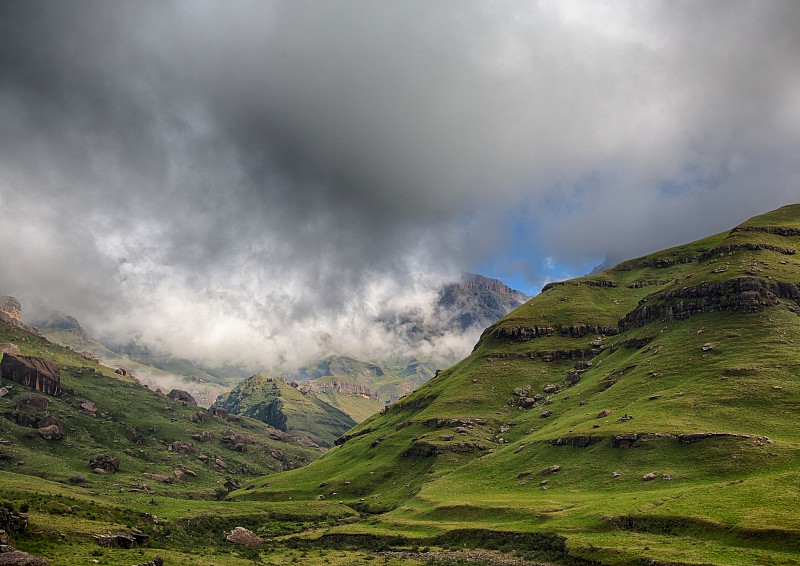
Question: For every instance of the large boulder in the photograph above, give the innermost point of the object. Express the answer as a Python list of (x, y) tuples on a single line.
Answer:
[(33, 404), (51, 432), (39, 374), (104, 462), (180, 395), (244, 537)]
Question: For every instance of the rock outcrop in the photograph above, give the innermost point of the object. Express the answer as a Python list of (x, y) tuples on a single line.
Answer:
[(104, 462), (183, 396), (244, 537), (39, 374), (512, 334), (10, 309), (9, 348), (10, 306), (741, 294)]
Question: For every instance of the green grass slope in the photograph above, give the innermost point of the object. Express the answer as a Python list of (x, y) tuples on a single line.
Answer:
[(136, 425), (276, 402), (644, 415)]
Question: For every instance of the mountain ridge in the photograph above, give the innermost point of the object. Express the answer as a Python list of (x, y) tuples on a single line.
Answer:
[(610, 411)]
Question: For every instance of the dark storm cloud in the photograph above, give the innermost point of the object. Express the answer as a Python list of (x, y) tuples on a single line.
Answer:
[(258, 180)]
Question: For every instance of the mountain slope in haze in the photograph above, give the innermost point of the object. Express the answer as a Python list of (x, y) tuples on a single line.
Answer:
[(643, 415), (100, 411), (275, 401), (476, 300), (66, 331)]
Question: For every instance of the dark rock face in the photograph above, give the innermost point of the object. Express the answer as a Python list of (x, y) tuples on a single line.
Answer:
[(580, 330), (514, 334), (754, 247), (664, 262), (549, 356), (742, 294), (39, 374), (588, 283), (183, 396), (104, 462), (778, 230), (318, 386)]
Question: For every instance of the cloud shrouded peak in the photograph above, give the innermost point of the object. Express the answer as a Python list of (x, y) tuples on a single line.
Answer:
[(261, 181)]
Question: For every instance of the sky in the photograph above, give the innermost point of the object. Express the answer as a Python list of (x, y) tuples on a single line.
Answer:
[(258, 181)]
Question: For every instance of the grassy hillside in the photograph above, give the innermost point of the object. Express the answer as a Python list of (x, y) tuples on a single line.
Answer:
[(276, 402), (175, 462), (644, 415)]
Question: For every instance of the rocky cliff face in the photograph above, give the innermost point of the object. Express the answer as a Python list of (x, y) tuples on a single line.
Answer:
[(476, 301), (10, 311)]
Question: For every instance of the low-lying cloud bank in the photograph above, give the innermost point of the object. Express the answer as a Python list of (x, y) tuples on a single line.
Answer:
[(257, 182)]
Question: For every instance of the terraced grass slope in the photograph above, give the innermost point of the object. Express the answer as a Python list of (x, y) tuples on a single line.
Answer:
[(644, 415)]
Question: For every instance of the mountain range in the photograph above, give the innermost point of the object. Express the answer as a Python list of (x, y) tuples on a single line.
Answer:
[(643, 415)]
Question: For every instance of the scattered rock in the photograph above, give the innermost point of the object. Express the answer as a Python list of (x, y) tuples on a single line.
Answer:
[(279, 435), (219, 413), (3, 392), (220, 463), (550, 388), (523, 475), (183, 448), (244, 537), (19, 558), (604, 413), (546, 414), (157, 561), (649, 477), (615, 474), (180, 395), (104, 462), (707, 347), (550, 470), (51, 432), (320, 497), (625, 418), (157, 477), (666, 477), (446, 437), (122, 539)]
